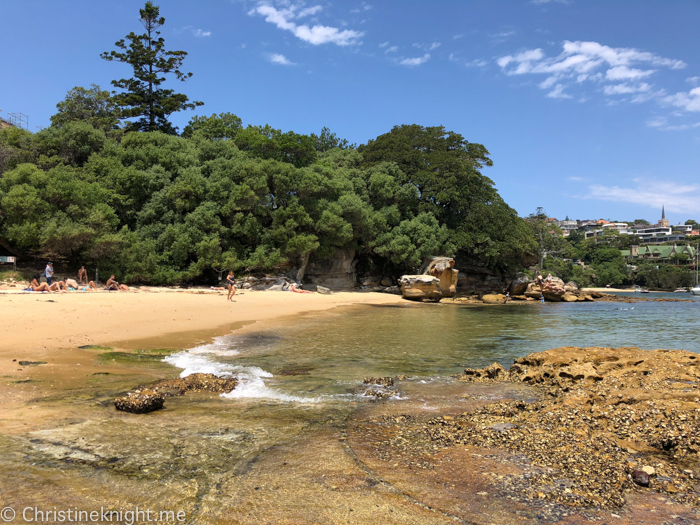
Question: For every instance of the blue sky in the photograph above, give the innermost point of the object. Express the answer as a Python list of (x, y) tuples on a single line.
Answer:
[(589, 108)]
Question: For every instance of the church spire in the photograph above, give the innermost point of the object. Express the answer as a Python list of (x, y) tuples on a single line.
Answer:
[(663, 212)]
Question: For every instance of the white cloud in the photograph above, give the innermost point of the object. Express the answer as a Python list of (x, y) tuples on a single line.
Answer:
[(392, 49), (428, 47), (590, 62), (384, 44), (675, 196), (693, 80), (411, 62), (688, 101), (558, 92), (363, 7), (477, 62), (285, 17), (625, 89), (197, 33), (282, 60), (577, 179)]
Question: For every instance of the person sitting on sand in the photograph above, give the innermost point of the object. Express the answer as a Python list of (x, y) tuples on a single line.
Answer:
[(231, 284), (36, 286), (58, 287), (112, 284), (82, 275)]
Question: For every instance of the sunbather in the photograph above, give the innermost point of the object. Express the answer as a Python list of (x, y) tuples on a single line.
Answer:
[(36, 286)]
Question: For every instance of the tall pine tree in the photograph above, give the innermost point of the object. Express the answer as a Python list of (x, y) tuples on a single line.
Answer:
[(143, 95)]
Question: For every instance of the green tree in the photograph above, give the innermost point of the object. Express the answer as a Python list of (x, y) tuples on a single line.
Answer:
[(327, 141), (216, 127), (94, 106), (144, 98)]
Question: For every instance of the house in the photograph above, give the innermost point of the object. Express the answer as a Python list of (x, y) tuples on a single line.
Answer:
[(659, 253)]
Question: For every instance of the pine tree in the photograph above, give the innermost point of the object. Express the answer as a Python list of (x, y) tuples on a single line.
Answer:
[(143, 95)]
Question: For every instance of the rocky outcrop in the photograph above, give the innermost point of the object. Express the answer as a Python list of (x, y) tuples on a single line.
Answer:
[(519, 284), (494, 298), (421, 288), (278, 283), (443, 269), (552, 289), (336, 272), (612, 421)]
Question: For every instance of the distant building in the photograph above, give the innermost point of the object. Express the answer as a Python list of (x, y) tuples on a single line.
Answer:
[(660, 253)]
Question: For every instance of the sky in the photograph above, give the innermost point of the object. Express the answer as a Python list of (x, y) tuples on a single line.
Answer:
[(590, 109)]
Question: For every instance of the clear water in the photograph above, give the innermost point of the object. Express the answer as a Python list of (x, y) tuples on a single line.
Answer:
[(331, 354)]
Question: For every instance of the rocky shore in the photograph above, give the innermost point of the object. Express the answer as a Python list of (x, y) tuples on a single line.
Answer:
[(609, 422)]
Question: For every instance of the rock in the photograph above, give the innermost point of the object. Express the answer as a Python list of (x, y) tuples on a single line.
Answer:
[(519, 284), (569, 297), (571, 286), (336, 272), (494, 298), (521, 298), (194, 383), (140, 402), (371, 281), (641, 478), (492, 372), (391, 289), (387, 281), (323, 290), (443, 269), (420, 288), (384, 381), (649, 470)]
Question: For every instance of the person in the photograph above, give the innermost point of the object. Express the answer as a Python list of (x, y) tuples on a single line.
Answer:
[(70, 284), (82, 275), (538, 279), (507, 297), (231, 284), (36, 286), (111, 284), (293, 288), (542, 298), (89, 288), (48, 273), (549, 277)]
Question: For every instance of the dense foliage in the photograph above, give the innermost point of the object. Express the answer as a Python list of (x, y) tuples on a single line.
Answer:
[(158, 208)]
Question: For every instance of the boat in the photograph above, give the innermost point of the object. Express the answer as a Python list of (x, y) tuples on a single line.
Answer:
[(644, 291), (696, 290), (680, 290)]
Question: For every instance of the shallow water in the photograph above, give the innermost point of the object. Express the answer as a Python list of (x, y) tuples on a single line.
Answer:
[(325, 357)]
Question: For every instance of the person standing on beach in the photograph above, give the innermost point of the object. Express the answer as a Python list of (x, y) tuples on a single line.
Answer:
[(231, 284), (48, 273), (82, 275)]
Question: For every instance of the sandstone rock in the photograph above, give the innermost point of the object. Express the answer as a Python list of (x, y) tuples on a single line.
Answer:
[(443, 269), (519, 284), (571, 286), (336, 272), (387, 281), (421, 288), (323, 290), (491, 372), (140, 402), (649, 470), (371, 281), (569, 297), (494, 298), (521, 298)]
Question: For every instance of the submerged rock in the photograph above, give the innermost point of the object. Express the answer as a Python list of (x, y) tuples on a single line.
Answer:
[(641, 478), (384, 381), (140, 402)]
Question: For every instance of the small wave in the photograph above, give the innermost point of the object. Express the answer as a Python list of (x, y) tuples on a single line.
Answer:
[(219, 346), (251, 382)]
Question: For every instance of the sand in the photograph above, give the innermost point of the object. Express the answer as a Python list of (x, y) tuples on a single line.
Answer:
[(51, 327)]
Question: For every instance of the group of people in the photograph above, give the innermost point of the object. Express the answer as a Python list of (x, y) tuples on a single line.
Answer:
[(71, 285)]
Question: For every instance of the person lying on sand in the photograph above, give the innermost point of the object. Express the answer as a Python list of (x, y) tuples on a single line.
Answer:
[(89, 288), (293, 288), (36, 286)]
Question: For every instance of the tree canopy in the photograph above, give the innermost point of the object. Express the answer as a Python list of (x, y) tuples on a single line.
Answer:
[(157, 208)]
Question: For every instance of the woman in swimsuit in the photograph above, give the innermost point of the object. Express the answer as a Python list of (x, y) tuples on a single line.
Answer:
[(231, 283)]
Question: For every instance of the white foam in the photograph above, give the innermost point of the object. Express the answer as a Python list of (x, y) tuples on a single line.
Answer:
[(251, 383)]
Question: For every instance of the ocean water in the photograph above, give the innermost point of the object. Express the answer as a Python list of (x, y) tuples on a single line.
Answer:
[(317, 358)]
